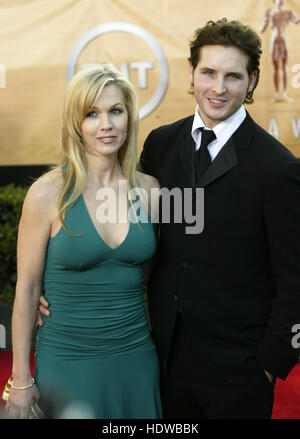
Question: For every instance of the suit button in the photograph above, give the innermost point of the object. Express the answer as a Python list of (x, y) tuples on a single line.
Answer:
[(185, 265)]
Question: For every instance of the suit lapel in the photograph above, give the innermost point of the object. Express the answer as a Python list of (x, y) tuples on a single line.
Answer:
[(186, 150), (227, 157), (224, 162)]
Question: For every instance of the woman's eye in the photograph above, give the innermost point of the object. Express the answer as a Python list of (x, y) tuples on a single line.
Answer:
[(116, 111), (91, 114)]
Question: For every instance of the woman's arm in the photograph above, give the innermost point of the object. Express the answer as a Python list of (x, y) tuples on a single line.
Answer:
[(33, 236), (151, 187)]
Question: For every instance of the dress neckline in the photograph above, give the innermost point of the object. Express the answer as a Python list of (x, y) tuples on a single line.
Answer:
[(97, 231)]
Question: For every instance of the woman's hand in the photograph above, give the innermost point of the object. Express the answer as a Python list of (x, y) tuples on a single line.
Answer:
[(19, 401)]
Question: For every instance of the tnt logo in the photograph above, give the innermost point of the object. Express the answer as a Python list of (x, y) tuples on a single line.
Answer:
[(2, 337), (145, 68), (2, 76)]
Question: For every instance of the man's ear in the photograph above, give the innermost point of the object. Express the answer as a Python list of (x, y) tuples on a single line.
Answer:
[(191, 74), (252, 81)]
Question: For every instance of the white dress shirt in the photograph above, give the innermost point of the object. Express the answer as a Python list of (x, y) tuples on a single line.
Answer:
[(223, 130)]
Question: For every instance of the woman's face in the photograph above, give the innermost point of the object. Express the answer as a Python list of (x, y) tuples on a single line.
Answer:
[(104, 128)]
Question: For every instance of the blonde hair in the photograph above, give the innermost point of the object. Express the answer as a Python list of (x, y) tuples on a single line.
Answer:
[(81, 94)]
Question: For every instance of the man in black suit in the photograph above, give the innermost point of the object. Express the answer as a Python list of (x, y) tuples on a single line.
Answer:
[(224, 302)]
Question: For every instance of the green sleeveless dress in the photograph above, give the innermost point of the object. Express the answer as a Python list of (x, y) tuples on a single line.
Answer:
[(94, 355)]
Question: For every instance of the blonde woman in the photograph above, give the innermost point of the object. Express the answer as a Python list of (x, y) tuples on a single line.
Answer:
[(95, 348)]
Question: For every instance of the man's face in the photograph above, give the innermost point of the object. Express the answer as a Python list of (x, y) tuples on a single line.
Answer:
[(221, 82)]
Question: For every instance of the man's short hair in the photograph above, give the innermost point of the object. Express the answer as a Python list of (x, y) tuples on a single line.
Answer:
[(230, 34)]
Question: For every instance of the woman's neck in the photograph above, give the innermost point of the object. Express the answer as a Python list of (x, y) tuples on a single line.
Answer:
[(103, 171)]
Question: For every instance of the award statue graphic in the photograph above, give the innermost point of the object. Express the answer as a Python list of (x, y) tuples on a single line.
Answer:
[(278, 20)]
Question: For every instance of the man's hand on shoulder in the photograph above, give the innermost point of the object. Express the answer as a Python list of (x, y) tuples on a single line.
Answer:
[(42, 311)]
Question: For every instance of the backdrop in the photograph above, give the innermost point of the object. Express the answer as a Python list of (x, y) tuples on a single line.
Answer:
[(44, 42)]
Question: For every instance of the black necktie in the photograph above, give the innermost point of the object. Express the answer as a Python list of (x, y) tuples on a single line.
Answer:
[(202, 155)]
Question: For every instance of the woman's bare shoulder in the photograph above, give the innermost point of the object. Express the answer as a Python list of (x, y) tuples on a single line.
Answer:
[(150, 192), (146, 181), (42, 194)]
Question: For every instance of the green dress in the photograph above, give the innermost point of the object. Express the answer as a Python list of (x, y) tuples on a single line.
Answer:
[(94, 356)]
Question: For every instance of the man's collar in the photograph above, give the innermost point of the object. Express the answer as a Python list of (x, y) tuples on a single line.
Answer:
[(235, 119)]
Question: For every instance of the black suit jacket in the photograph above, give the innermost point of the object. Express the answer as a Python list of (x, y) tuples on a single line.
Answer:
[(236, 284)]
